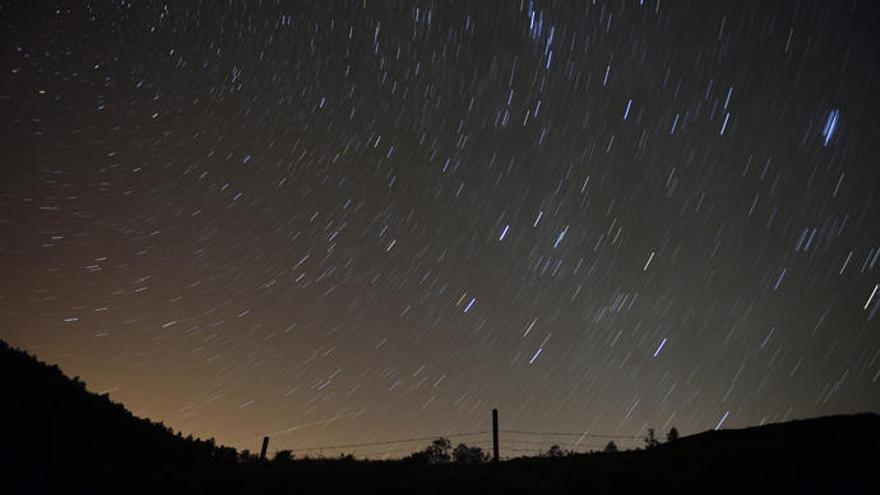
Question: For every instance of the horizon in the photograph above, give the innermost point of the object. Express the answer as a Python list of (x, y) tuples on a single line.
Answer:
[(393, 452)]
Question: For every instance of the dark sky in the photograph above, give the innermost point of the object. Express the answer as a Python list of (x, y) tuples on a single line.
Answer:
[(339, 222)]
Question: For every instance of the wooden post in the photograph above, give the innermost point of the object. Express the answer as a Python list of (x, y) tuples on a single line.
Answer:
[(495, 435), (265, 447)]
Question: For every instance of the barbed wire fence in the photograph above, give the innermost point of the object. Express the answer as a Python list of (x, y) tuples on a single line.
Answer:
[(511, 444)]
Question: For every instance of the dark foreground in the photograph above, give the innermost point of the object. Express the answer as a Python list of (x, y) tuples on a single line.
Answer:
[(59, 438)]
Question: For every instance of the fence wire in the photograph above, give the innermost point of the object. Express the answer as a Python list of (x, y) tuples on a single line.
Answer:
[(516, 442)]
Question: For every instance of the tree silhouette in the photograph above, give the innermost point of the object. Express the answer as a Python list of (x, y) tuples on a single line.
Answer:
[(469, 455), (611, 447), (672, 435), (651, 440), (554, 451), (436, 453)]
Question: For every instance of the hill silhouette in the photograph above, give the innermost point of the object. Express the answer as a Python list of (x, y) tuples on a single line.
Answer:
[(57, 434), (60, 438)]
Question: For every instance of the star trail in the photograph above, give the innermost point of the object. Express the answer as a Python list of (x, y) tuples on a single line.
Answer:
[(343, 222)]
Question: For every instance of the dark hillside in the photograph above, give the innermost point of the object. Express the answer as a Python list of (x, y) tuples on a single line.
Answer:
[(54, 430), (829, 454)]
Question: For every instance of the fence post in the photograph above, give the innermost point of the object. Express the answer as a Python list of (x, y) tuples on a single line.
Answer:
[(495, 435), (265, 447)]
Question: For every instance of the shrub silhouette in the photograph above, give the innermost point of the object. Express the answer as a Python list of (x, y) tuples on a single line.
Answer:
[(440, 452), (246, 456), (469, 455), (416, 458), (611, 447), (283, 456)]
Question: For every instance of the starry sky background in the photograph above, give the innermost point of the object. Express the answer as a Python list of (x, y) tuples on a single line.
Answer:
[(339, 222)]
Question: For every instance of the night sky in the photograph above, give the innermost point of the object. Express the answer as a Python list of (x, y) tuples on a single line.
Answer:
[(343, 222)]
